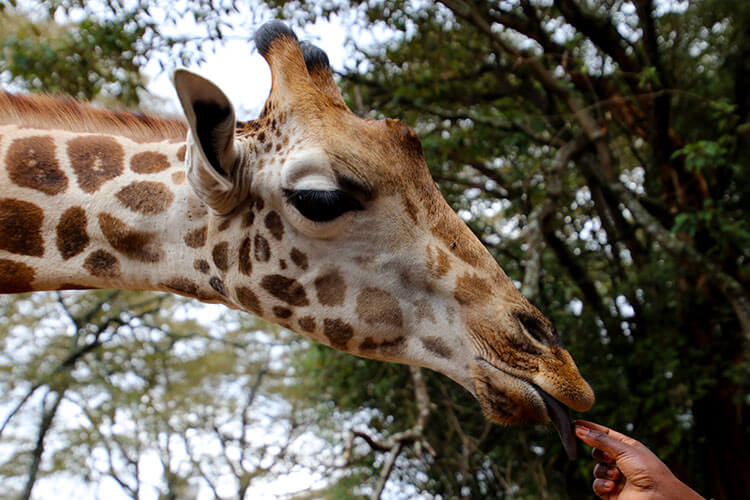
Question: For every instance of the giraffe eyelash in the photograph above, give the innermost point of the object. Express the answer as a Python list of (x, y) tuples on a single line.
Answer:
[(322, 206)]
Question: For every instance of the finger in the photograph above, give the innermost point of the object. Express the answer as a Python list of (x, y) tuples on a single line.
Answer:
[(602, 456), (604, 471), (617, 435), (603, 487), (602, 440)]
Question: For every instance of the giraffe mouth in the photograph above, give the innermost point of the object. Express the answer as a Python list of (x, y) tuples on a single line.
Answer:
[(523, 400)]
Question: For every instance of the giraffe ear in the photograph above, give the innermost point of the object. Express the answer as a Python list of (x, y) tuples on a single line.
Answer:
[(212, 157)]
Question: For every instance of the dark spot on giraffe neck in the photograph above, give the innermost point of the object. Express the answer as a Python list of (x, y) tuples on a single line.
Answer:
[(249, 218), (181, 153), (72, 237), (21, 227), (217, 285), (95, 159), (437, 346), (244, 262), (368, 345), (262, 249), (307, 323), (102, 264), (410, 208), (299, 259), (196, 238), (285, 289), (248, 300), (224, 225), (150, 162), (393, 347), (282, 312), (338, 332), (220, 254), (181, 286), (15, 277), (32, 163), (202, 266), (146, 197), (330, 288), (134, 244), (375, 306)]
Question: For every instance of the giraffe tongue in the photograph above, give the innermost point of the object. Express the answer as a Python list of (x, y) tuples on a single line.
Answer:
[(558, 413)]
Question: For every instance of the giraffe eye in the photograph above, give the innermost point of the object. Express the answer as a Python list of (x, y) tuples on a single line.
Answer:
[(322, 206)]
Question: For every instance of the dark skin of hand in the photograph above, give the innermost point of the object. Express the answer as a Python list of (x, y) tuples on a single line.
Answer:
[(627, 470)]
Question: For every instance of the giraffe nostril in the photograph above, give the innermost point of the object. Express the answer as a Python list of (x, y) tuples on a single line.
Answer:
[(538, 328)]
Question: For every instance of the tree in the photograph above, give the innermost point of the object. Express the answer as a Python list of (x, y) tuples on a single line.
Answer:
[(598, 149)]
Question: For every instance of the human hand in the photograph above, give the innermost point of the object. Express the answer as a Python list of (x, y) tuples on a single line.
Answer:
[(627, 470)]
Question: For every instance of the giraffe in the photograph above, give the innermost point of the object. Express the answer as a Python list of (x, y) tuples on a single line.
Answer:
[(309, 216)]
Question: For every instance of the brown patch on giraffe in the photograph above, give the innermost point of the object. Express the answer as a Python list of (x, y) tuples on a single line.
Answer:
[(149, 162), (275, 225), (202, 266), (102, 264), (146, 197), (220, 254), (218, 285), (410, 207), (15, 277), (282, 312), (21, 227), (72, 237), (225, 224), (338, 332), (259, 204), (178, 177), (182, 286), (471, 289), (197, 237), (134, 244), (437, 346), (244, 263), (376, 306), (282, 264), (299, 258), (181, 152), (248, 300), (423, 310), (249, 218), (95, 159), (307, 323), (262, 249), (393, 347), (368, 345), (331, 288), (285, 289), (438, 262), (31, 163)]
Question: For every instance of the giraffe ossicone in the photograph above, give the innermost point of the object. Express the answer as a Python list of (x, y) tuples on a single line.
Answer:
[(309, 216)]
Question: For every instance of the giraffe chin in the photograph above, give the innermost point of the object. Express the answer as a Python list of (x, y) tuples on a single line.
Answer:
[(506, 399)]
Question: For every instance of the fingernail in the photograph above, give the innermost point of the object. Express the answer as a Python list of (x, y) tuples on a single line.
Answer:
[(608, 485), (582, 431)]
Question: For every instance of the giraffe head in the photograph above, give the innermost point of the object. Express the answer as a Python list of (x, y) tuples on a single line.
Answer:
[(331, 225)]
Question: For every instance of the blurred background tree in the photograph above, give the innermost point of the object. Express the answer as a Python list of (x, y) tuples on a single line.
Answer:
[(598, 148)]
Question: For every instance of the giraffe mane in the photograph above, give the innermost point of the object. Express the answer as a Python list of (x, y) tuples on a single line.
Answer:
[(66, 113)]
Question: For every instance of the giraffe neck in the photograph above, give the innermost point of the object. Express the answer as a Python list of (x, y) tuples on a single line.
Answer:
[(99, 211)]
